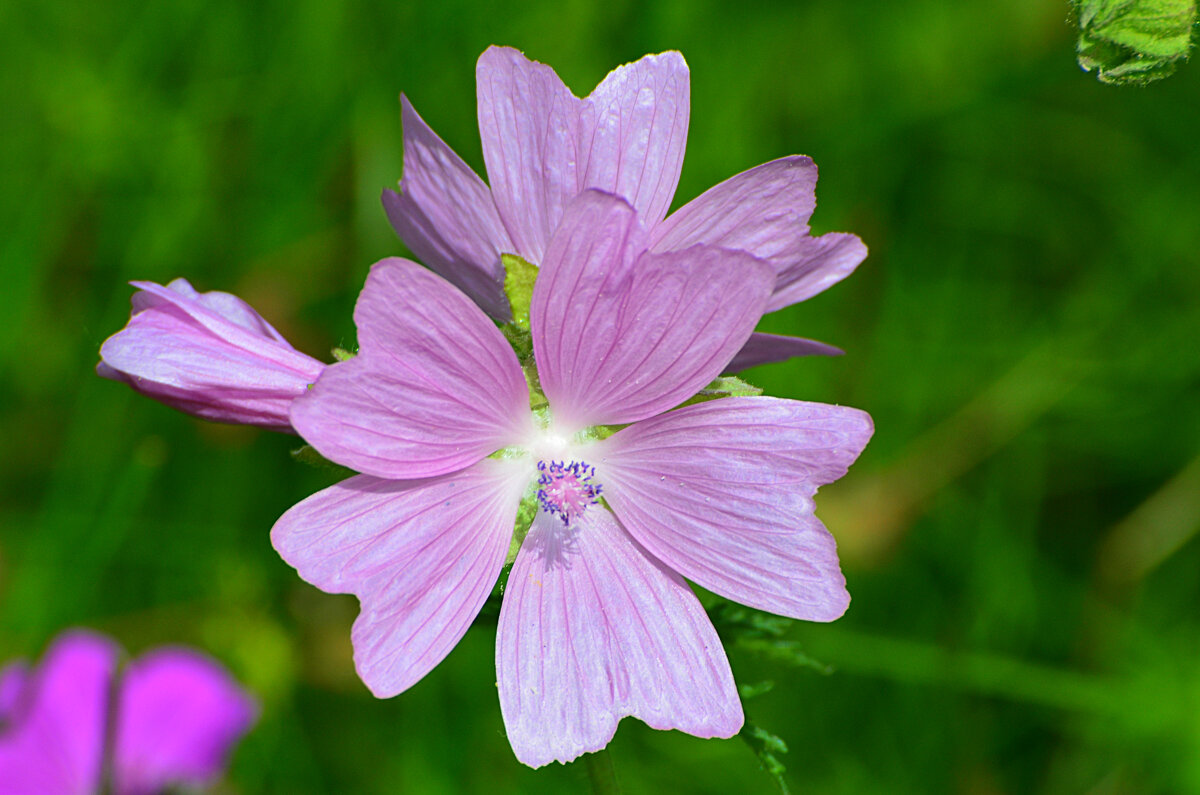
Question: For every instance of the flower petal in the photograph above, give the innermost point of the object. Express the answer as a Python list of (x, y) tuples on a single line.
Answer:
[(529, 126), (445, 214), (226, 305), (763, 211), (434, 388), (421, 555), (14, 683), (208, 354), (619, 337), (771, 348), (55, 748), (180, 715), (722, 493), (593, 629), (817, 264), (633, 131)]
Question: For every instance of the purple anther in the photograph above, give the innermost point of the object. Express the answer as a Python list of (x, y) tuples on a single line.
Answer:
[(566, 490)]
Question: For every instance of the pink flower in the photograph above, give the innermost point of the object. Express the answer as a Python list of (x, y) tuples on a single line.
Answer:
[(207, 354), (597, 622), (543, 146), (176, 716)]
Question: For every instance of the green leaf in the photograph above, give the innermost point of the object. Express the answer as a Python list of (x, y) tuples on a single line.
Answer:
[(785, 651), (748, 692), (1133, 42), (519, 277), (737, 621), (768, 748), (762, 634)]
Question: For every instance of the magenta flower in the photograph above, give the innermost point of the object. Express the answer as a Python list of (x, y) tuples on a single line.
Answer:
[(174, 718), (207, 354), (543, 146), (597, 622)]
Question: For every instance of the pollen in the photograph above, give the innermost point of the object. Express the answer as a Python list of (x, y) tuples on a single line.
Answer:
[(566, 489)]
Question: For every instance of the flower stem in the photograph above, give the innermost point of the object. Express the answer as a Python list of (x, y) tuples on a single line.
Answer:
[(601, 773)]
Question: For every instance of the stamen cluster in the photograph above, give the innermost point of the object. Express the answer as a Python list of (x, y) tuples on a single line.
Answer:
[(567, 489)]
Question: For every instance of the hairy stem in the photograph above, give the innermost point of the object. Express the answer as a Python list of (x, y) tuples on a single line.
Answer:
[(601, 773)]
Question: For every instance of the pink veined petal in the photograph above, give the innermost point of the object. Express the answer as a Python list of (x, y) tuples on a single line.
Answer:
[(446, 215), (435, 386), (619, 337), (593, 629), (256, 341), (421, 555), (246, 407), (770, 348), (165, 345), (529, 126), (163, 354), (208, 354), (56, 748), (722, 493), (180, 714), (763, 211), (226, 305), (633, 131), (816, 265)]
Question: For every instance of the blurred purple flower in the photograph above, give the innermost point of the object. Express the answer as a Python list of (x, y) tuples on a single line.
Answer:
[(543, 146), (207, 354), (174, 718), (597, 622)]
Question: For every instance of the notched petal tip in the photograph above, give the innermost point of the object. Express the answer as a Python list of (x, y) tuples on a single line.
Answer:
[(434, 388), (601, 631), (815, 265), (723, 493), (420, 555)]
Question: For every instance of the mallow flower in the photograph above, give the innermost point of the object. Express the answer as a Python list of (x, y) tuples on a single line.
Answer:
[(542, 146), (79, 724), (207, 354), (457, 445)]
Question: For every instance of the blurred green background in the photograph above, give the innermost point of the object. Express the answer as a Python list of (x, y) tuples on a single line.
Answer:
[(1018, 537)]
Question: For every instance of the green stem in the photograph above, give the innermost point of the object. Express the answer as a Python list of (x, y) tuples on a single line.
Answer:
[(601, 773)]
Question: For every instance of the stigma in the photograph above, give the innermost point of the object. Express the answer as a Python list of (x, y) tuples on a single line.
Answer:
[(566, 489)]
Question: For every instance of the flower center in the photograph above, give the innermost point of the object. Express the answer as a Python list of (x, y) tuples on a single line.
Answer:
[(566, 490)]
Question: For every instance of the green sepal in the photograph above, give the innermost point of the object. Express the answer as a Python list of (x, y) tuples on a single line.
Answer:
[(768, 748), (307, 454), (519, 276), (519, 339), (537, 398), (343, 355), (722, 387), (526, 512), (1134, 42)]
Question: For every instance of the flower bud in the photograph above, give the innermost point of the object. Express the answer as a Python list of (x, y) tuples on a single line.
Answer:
[(207, 354)]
